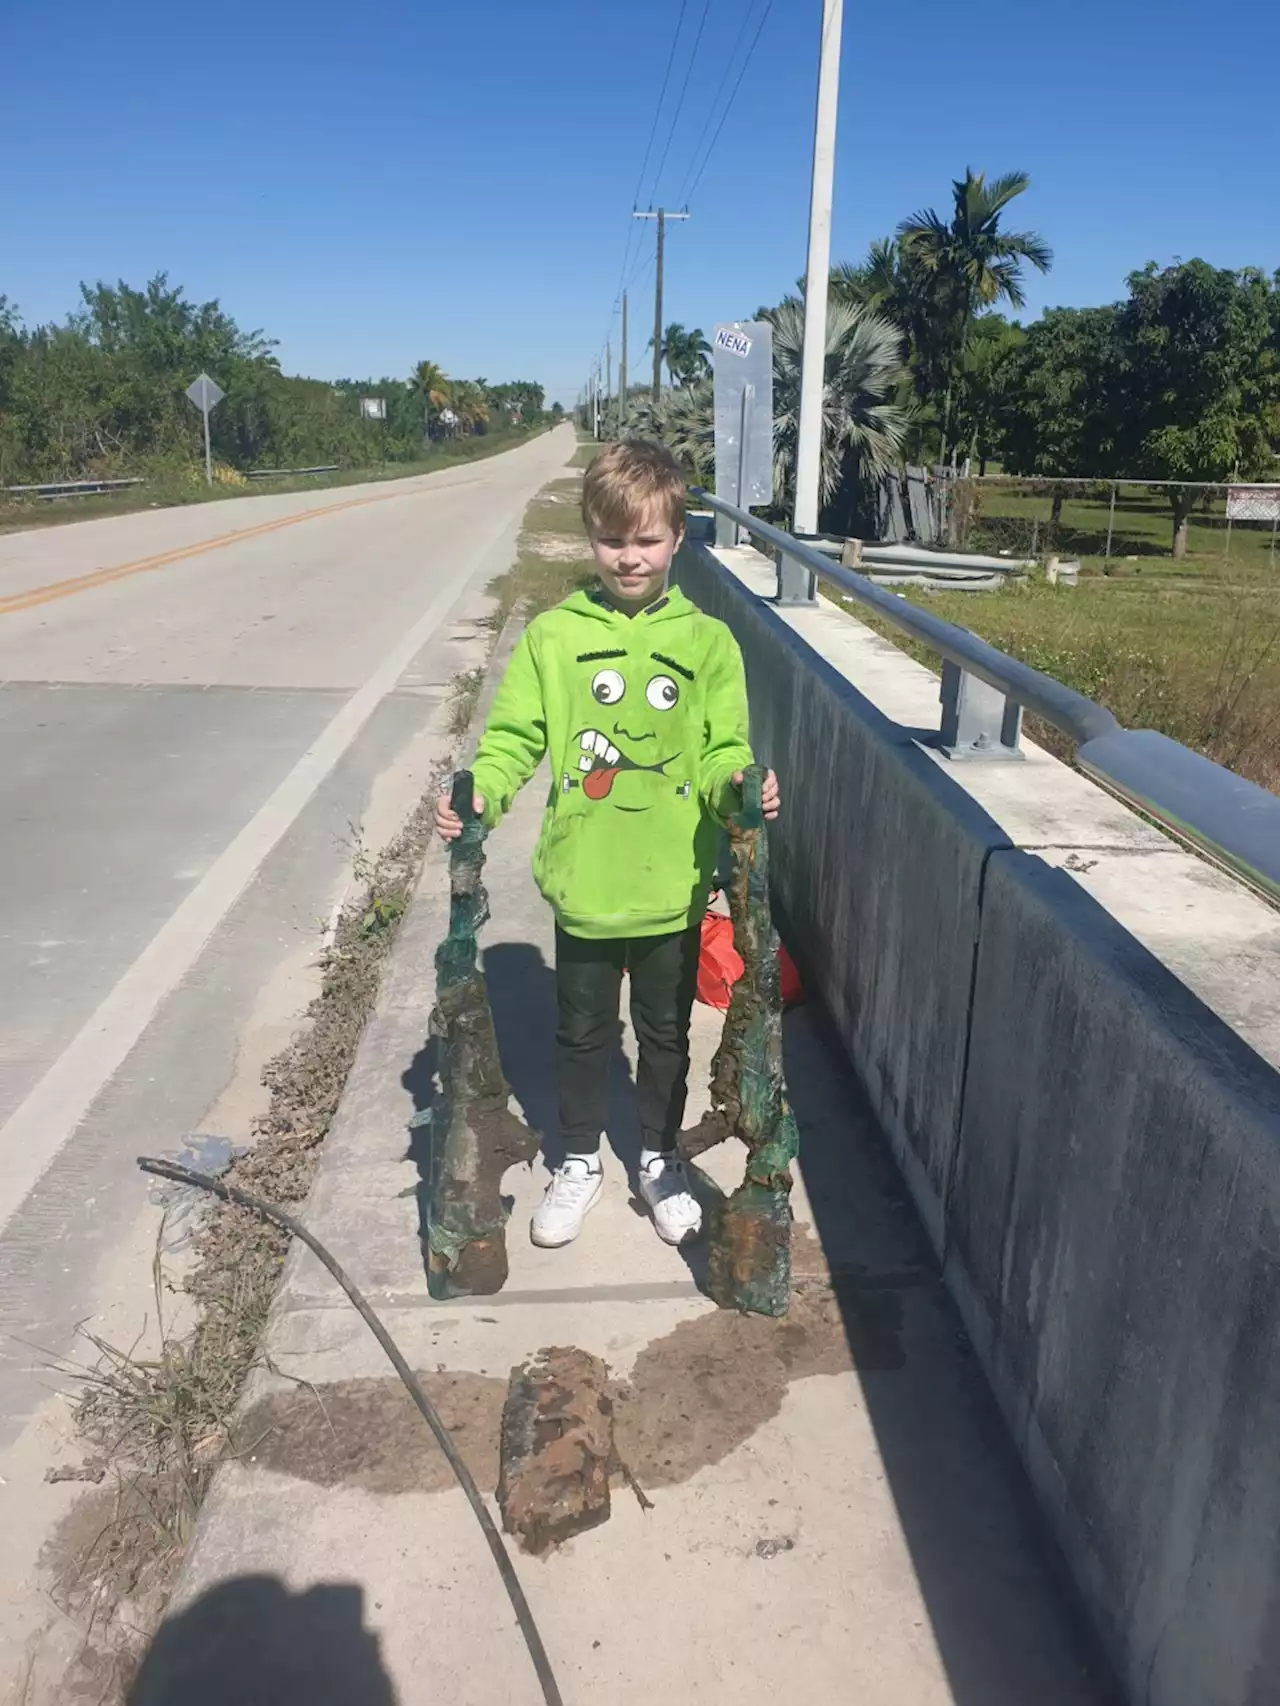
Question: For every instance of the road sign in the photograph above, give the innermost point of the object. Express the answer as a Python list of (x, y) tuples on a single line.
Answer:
[(1253, 503), (742, 361), (206, 394), (373, 408), (731, 339)]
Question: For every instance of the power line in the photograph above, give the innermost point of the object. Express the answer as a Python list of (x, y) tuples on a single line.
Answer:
[(644, 165), (684, 89), (764, 16), (657, 113), (730, 59)]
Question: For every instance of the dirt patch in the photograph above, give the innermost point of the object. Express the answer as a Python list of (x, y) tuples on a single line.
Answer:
[(695, 1395), (368, 1434), (703, 1390), (558, 548)]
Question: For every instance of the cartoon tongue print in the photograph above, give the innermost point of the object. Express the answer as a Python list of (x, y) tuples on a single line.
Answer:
[(600, 762)]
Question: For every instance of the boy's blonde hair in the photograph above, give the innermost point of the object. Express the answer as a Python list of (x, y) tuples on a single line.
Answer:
[(626, 481)]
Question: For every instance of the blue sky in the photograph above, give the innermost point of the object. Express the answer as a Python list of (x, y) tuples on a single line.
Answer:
[(374, 184)]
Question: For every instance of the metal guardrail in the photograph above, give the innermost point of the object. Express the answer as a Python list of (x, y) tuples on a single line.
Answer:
[(984, 691), (283, 473), (68, 488)]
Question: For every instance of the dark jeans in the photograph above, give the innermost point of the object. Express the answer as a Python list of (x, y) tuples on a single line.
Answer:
[(663, 971)]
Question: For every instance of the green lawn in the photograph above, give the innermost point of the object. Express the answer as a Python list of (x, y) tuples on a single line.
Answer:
[(553, 555), (1196, 656), (1019, 521)]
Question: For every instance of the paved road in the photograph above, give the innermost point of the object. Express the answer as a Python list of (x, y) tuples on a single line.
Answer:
[(195, 708)]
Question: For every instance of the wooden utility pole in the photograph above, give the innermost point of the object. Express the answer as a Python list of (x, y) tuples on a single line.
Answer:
[(622, 373), (662, 217)]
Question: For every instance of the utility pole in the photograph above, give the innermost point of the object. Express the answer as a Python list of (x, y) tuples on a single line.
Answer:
[(812, 362), (622, 373), (608, 378), (662, 217)]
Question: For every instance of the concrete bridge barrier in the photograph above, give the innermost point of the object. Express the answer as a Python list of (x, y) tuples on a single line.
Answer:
[(1070, 1031)]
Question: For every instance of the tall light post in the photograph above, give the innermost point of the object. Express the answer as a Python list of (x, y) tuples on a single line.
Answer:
[(813, 357)]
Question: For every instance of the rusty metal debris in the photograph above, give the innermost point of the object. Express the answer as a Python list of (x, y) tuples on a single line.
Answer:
[(557, 1448), (750, 1231), (474, 1135)]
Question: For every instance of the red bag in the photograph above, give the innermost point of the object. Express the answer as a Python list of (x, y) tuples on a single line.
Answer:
[(720, 965), (719, 962), (789, 978)]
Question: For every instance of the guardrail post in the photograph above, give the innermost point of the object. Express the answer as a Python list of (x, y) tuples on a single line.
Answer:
[(796, 583), (978, 721)]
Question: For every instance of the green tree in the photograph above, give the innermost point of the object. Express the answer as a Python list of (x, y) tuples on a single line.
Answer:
[(949, 269), (683, 419), (863, 427), (982, 385), (1057, 413), (877, 283), (1197, 380), (686, 353)]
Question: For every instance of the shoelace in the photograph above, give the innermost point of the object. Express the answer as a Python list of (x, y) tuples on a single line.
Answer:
[(566, 1186), (669, 1177)]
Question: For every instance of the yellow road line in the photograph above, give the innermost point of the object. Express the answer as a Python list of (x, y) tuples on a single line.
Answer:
[(101, 577)]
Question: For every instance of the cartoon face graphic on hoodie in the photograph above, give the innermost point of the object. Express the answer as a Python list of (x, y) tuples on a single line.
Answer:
[(644, 719)]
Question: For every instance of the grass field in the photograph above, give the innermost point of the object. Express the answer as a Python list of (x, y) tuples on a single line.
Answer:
[(168, 491), (553, 557), (1019, 520), (1189, 647)]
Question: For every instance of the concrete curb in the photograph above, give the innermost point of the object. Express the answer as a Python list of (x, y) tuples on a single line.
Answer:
[(495, 664)]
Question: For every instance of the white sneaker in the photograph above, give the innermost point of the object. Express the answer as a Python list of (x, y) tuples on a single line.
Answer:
[(677, 1213), (574, 1189)]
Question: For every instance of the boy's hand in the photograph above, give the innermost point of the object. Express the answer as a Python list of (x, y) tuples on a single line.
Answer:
[(770, 799), (448, 823)]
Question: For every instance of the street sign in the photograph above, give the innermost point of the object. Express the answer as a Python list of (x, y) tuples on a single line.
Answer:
[(206, 394), (373, 408), (742, 362), (730, 339)]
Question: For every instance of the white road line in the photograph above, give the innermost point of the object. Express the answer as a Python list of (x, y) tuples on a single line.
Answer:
[(33, 1135)]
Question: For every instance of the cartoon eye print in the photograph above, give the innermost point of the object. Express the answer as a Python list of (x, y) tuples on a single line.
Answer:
[(662, 693), (607, 686)]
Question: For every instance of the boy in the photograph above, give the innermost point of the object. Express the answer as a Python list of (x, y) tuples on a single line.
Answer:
[(640, 699)]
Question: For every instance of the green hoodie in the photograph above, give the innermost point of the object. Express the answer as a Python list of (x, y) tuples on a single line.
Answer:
[(645, 719)]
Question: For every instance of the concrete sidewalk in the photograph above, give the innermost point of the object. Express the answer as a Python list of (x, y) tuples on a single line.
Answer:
[(834, 1508)]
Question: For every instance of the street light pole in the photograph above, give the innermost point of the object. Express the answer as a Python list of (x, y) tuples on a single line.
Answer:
[(813, 358)]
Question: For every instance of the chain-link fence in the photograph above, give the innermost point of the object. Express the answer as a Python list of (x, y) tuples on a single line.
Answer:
[(1108, 524)]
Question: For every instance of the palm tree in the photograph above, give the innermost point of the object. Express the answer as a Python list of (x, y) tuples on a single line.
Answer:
[(430, 383), (877, 283), (429, 379), (684, 420), (470, 404), (978, 260), (687, 354), (965, 264), (862, 427)]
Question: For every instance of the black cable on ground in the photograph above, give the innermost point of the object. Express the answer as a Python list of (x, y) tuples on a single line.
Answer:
[(510, 1581)]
